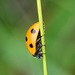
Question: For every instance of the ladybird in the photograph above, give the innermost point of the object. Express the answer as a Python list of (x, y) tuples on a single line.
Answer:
[(33, 40)]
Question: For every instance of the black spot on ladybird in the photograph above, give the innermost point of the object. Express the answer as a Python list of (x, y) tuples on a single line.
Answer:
[(31, 45), (26, 38), (33, 31)]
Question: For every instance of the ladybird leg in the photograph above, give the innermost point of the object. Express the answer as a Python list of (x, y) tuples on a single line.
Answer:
[(38, 40), (39, 49), (41, 36), (41, 52), (42, 45)]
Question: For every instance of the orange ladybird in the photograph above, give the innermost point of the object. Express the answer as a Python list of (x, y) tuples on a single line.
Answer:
[(33, 40)]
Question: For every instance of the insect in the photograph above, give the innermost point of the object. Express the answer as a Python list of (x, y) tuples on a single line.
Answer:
[(33, 40)]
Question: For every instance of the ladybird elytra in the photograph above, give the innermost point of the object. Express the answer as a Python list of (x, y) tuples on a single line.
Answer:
[(33, 42)]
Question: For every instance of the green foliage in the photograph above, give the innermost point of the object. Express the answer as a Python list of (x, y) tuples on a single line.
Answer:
[(40, 17), (17, 16)]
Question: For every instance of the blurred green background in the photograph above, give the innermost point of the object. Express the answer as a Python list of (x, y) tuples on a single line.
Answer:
[(16, 16)]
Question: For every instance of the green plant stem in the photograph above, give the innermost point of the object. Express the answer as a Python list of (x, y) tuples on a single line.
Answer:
[(42, 33)]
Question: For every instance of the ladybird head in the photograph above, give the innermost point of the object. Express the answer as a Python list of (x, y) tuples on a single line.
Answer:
[(38, 55)]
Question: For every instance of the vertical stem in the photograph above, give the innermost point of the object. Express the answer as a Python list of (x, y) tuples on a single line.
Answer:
[(42, 33)]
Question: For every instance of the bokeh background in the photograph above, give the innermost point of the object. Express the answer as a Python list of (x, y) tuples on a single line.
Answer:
[(16, 16)]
